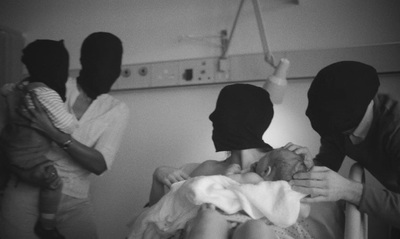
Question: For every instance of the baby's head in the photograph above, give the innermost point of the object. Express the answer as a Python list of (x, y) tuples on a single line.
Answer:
[(280, 164), (47, 61)]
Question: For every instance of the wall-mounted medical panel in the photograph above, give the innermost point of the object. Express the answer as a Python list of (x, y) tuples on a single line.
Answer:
[(197, 71), (251, 67), (165, 74), (134, 77)]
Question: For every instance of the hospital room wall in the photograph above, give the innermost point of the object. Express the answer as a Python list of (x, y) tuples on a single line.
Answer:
[(170, 126), (174, 129)]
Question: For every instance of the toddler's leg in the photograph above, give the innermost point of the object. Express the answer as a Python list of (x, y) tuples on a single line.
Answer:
[(49, 200), (254, 229), (208, 224)]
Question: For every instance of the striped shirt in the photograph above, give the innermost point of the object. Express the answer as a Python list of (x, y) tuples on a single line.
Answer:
[(55, 108)]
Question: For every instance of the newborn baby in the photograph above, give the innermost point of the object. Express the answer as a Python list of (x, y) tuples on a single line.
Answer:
[(278, 164)]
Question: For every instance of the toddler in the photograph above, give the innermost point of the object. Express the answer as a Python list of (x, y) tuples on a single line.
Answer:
[(47, 63)]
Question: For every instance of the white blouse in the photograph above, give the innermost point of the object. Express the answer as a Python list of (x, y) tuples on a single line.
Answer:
[(101, 127)]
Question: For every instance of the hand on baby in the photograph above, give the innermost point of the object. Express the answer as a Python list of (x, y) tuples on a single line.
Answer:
[(324, 184), (169, 175), (303, 151)]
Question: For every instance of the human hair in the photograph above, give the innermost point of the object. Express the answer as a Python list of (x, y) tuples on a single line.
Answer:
[(285, 164)]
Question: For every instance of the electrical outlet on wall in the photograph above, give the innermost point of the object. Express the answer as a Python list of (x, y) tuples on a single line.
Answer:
[(165, 74), (198, 71), (133, 77)]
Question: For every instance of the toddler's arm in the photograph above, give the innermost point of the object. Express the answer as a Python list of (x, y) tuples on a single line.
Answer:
[(54, 107)]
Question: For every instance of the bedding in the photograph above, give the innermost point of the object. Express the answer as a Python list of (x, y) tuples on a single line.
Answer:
[(274, 202)]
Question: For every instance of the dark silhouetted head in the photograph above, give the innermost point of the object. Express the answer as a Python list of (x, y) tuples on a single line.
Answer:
[(47, 61), (242, 115), (101, 58)]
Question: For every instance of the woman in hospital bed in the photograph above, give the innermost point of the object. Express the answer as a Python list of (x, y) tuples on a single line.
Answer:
[(243, 113), (261, 193)]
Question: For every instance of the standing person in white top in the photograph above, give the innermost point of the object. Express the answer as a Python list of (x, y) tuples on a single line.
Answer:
[(47, 63), (90, 149)]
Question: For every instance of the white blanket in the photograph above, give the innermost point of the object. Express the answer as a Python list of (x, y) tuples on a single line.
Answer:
[(274, 200)]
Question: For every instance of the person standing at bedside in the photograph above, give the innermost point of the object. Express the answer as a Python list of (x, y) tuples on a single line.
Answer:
[(90, 149), (47, 62), (354, 120)]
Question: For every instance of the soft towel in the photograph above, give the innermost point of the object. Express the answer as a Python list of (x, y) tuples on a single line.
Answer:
[(275, 201)]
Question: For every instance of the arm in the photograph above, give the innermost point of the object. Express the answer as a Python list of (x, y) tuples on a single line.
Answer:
[(157, 189), (324, 184), (54, 107), (207, 168), (89, 158), (384, 202), (165, 176)]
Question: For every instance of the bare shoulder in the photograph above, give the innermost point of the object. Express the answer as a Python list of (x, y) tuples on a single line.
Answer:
[(208, 167)]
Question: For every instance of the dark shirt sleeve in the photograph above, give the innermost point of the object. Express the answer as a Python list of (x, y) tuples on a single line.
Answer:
[(384, 202), (381, 203)]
